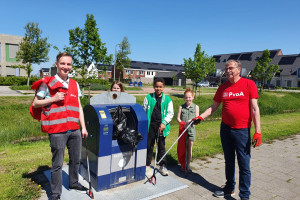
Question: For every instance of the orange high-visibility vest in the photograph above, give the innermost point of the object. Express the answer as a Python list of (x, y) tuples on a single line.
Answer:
[(61, 116)]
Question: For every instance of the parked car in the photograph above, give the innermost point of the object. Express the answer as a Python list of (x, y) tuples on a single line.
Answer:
[(213, 84), (203, 84)]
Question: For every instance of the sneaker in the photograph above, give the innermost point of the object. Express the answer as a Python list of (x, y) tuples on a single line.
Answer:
[(221, 193), (163, 170), (149, 171), (189, 170), (79, 188), (181, 169)]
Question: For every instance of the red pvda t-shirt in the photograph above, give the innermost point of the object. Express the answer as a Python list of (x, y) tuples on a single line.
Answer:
[(236, 102)]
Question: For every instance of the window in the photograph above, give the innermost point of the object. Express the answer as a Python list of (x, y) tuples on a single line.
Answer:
[(11, 52), (278, 83), (148, 73), (289, 83), (137, 72), (131, 71), (142, 72), (298, 73), (152, 73), (127, 72)]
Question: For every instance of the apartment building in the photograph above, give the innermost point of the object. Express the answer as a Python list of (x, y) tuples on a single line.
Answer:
[(9, 46)]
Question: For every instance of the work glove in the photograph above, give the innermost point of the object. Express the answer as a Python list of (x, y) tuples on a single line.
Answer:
[(256, 140), (197, 120)]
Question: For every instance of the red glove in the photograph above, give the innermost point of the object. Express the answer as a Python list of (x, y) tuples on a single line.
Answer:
[(197, 120), (256, 140)]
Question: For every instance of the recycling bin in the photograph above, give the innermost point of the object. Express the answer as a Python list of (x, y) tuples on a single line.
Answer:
[(113, 162)]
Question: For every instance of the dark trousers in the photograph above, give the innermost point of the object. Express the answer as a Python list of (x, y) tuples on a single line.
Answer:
[(237, 141), (152, 135), (58, 143)]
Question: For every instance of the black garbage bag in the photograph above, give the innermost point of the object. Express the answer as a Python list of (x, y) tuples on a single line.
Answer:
[(131, 137), (119, 122), (121, 132)]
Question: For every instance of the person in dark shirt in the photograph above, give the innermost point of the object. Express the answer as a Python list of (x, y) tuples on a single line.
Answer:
[(159, 109)]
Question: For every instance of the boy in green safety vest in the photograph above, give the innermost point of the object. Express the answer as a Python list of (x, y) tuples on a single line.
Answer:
[(159, 109)]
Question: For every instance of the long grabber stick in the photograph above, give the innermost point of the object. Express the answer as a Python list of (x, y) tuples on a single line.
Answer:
[(190, 124), (153, 177), (89, 192)]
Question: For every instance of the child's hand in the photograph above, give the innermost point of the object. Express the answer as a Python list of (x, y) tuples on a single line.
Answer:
[(187, 123), (162, 127)]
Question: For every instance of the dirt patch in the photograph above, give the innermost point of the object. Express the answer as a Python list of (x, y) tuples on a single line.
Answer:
[(30, 139)]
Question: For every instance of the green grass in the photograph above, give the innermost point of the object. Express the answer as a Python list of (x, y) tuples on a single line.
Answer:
[(20, 87), (16, 169)]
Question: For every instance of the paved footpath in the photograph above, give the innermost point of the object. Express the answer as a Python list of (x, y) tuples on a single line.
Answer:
[(275, 174), (275, 171)]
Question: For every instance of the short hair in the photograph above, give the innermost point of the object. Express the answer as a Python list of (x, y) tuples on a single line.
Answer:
[(237, 63), (119, 84), (62, 54), (188, 90), (159, 80)]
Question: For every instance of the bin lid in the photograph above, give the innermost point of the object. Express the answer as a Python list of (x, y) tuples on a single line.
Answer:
[(112, 97)]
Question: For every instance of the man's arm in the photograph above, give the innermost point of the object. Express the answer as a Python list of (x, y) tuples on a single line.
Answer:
[(81, 120), (255, 115), (209, 111), (42, 102)]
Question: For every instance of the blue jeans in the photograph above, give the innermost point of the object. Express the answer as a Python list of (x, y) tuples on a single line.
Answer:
[(237, 141), (58, 143)]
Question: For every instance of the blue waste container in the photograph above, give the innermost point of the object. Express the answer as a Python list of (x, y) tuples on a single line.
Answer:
[(140, 84), (112, 162)]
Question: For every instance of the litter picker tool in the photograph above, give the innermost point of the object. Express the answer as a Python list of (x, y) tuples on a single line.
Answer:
[(89, 192), (156, 148), (153, 177)]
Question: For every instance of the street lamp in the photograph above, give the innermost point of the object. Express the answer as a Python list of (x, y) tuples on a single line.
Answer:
[(115, 61)]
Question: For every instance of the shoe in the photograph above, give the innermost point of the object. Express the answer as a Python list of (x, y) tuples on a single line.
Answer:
[(149, 171), (78, 188), (163, 170), (54, 198), (221, 193), (181, 169), (189, 171)]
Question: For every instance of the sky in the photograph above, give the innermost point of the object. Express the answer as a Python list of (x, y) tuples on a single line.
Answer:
[(163, 31)]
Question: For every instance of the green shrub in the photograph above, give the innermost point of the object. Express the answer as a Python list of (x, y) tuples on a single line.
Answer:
[(16, 80)]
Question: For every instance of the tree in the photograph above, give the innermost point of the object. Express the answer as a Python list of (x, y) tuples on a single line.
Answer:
[(263, 71), (87, 47), (200, 67), (33, 49), (122, 60)]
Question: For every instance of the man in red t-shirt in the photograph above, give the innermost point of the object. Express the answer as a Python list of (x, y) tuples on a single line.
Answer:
[(239, 98)]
